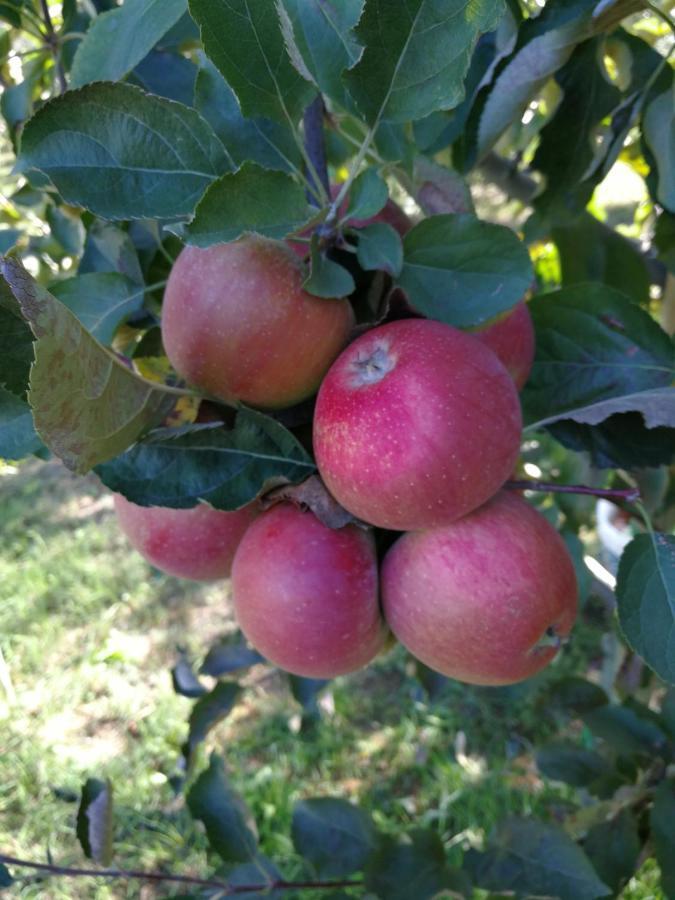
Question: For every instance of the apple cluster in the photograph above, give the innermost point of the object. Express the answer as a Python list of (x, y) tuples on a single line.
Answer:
[(416, 429)]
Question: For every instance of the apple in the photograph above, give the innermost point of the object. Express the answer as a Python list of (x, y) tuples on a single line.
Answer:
[(511, 338), (486, 600), (197, 543), (306, 596), (416, 424), (237, 323)]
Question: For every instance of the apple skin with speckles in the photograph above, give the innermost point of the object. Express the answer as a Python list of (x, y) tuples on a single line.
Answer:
[(198, 543), (486, 600), (237, 324), (511, 339), (306, 596), (416, 424)]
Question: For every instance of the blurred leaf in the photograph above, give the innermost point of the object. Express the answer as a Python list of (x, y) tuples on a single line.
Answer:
[(245, 43), (668, 711), (67, 229), (624, 731), (224, 658), (306, 690), (6, 879), (662, 818), (335, 836), (118, 40), (185, 681), (258, 870), (210, 710), (100, 300), (95, 821), (326, 278), (463, 271), (168, 75), (416, 55), (263, 141), (564, 761), (433, 682), (658, 128), (531, 858), (98, 406), (113, 149), (252, 199), (226, 467), (594, 345), (16, 344), (10, 12), (614, 847), (621, 441), (8, 237), (664, 239), (576, 695), (418, 869), (379, 247), (17, 432), (109, 249), (645, 593), (228, 824)]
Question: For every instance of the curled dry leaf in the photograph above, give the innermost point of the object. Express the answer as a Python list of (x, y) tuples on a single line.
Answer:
[(312, 495)]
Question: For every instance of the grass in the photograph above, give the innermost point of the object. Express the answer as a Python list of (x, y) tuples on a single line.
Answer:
[(89, 632)]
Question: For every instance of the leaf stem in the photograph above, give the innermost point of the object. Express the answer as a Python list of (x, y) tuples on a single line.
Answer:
[(315, 146), (631, 495), (54, 44), (131, 874)]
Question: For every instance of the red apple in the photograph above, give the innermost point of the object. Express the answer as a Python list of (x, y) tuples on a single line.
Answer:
[(485, 600), (416, 424), (197, 543), (306, 596), (511, 338), (237, 323)]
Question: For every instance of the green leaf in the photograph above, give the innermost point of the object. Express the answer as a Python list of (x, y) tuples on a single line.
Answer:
[(417, 869), (379, 247), (229, 827), (109, 249), (17, 432), (656, 406), (100, 300), (327, 278), (624, 731), (614, 847), (367, 196), (6, 879), (168, 75), (119, 39), (621, 441), (10, 12), (564, 761), (122, 153), (416, 55), (95, 821), (658, 128), (210, 710), (260, 870), (97, 406), (595, 345), (645, 593), (463, 271), (258, 140), (251, 199), (531, 858), (226, 468), (227, 656), (8, 237), (184, 680), (245, 42), (323, 36), (575, 695), (335, 836), (662, 818), (67, 229), (16, 344), (668, 711)]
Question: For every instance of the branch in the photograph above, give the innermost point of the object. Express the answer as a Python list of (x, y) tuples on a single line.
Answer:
[(631, 495), (179, 879), (609, 15), (316, 146), (54, 44)]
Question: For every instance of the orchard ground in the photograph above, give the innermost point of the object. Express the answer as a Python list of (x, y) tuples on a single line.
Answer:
[(83, 617)]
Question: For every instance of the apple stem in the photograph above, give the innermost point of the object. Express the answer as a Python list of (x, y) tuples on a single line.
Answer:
[(631, 495), (315, 145)]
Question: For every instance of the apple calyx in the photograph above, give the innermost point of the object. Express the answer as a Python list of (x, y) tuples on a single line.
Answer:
[(549, 639), (372, 366)]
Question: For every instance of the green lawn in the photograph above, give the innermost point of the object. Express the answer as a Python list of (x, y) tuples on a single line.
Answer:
[(88, 634)]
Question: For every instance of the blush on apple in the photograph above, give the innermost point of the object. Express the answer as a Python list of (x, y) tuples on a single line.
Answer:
[(511, 339), (486, 600), (197, 543), (416, 424), (306, 596), (237, 323)]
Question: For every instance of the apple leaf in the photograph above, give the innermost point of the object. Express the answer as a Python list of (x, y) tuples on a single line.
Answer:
[(379, 247), (335, 836), (122, 153), (245, 42), (645, 593), (6, 879), (100, 300), (417, 869), (625, 731), (661, 819), (229, 656), (441, 190), (168, 75), (311, 494), (416, 54), (8, 237), (16, 344), (228, 823), (367, 195), (110, 249), (327, 278), (564, 761), (597, 354), (251, 199), (614, 847), (184, 681), (97, 406), (463, 271), (257, 140), (119, 39), (228, 468), (17, 432), (659, 132), (95, 821), (210, 709)]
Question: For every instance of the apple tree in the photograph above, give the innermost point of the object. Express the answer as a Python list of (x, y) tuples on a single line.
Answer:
[(256, 279)]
